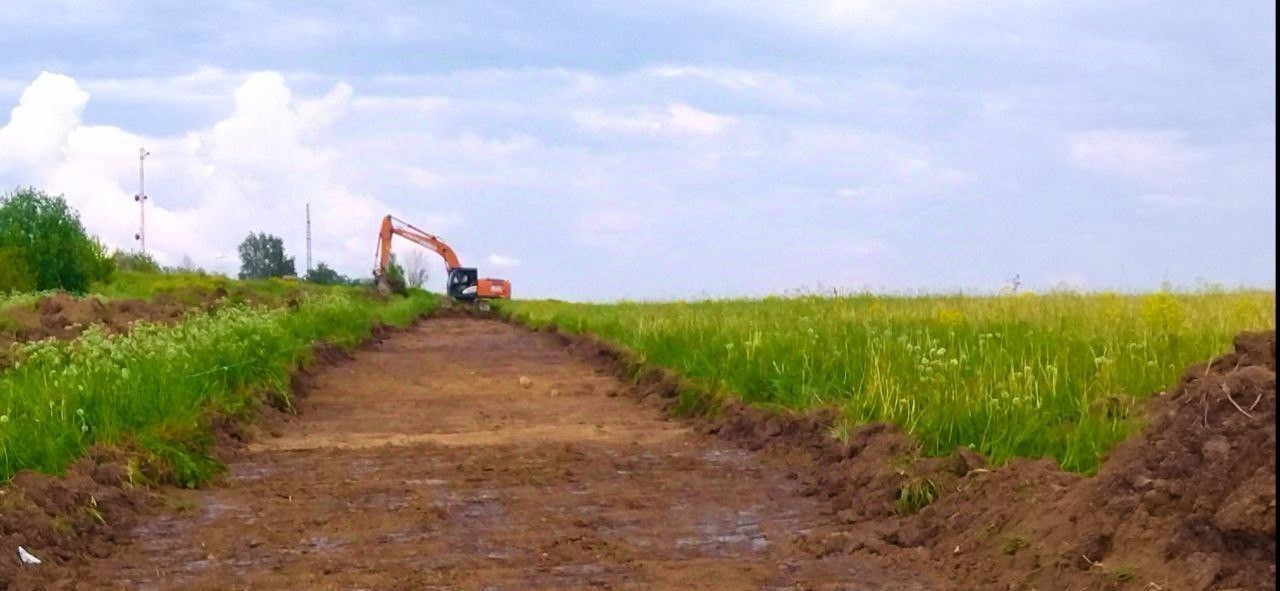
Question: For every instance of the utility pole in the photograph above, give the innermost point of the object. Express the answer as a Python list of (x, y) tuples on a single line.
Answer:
[(141, 198), (308, 237)]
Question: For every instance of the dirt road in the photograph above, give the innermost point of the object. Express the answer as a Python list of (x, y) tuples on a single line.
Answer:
[(425, 463)]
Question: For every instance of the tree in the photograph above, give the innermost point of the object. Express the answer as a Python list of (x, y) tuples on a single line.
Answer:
[(46, 234), (262, 255), (415, 270), (15, 275), (323, 275)]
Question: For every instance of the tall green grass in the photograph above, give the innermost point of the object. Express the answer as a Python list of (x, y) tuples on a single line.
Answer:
[(152, 387), (1061, 375), (138, 284)]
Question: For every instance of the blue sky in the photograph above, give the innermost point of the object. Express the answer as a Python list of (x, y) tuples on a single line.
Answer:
[(602, 150)]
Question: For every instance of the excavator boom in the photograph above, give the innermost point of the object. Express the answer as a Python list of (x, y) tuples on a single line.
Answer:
[(415, 235)]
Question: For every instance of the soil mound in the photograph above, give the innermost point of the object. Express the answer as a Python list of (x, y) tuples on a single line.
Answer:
[(1189, 503), (64, 317), (85, 512)]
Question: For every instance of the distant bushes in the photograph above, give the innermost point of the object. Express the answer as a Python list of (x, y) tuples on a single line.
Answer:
[(135, 261), (44, 246)]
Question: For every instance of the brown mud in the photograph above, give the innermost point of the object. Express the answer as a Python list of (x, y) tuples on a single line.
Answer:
[(426, 462)]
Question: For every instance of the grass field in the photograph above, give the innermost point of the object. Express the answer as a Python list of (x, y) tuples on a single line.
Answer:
[(151, 389), (1061, 375)]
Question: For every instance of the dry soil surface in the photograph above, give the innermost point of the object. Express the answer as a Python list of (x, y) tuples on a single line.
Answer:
[(471, 454)]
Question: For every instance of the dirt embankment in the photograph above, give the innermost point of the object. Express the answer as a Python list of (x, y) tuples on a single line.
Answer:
[(1189, 503), (94, 507), (61, 316), (64, 317)]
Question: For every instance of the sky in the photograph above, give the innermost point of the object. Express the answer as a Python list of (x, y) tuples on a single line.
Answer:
[(603, 150)]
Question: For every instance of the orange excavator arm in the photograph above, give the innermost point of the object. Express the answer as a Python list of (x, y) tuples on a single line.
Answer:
[(392, 226)]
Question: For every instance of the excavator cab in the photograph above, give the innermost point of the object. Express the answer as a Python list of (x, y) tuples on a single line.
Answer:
[(462, 283), (465, 285)]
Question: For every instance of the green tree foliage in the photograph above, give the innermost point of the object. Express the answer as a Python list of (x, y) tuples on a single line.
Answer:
[(46, 234), (15, 275), (395, 271), (396, 275), (262, 256), (135, 261), (324, 275)]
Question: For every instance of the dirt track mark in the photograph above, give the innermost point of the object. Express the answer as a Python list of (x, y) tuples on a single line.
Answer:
[(424, 464)]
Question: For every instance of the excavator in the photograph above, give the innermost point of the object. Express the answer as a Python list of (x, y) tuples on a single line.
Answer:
[(462, 284)]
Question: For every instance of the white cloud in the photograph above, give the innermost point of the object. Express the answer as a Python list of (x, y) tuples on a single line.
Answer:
[(1165, 170), (867, 17), (205, 86), (38, 127), (731, 78), (677, 118), (682, 117), (498, 260), (1152, 156), (252, 171)]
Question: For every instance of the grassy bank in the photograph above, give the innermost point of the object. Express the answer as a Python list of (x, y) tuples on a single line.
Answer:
[(152, 388), (1060, 375)]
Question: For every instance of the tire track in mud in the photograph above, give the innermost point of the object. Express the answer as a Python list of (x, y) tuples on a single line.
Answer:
[(424, 463)]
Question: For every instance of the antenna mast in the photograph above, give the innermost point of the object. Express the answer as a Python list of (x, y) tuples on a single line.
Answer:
[(308, 237), (141, 198)]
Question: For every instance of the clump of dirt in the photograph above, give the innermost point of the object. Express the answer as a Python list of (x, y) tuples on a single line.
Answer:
[(85, 512), (1189, 503)]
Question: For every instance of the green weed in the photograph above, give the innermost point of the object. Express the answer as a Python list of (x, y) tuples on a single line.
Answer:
[(1058, 375), (916, 495), (1013, 544)]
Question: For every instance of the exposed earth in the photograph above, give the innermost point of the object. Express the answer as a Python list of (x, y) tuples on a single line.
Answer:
[(470, 454)]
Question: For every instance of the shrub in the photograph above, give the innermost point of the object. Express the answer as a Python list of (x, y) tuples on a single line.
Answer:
[(135, 261), (324, 275)]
